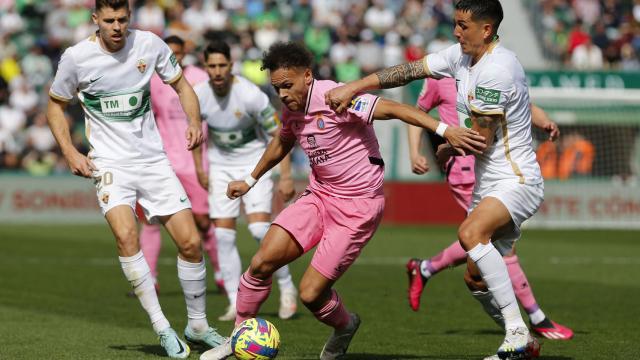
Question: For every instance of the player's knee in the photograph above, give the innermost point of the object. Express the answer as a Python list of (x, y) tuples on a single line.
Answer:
[(468, 236), (126, 239), (190, 249), (309, 296)]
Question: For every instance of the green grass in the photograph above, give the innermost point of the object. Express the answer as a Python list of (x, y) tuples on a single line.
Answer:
[(62, 296)]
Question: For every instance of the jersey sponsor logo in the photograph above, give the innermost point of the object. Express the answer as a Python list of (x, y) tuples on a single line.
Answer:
[(173, 60), (142, 66), (316, 156), (488, 96), (121, 104), (360, 104)]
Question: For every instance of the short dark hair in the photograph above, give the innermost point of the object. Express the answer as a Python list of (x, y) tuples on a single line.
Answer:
[(217, 47), (174, 39), (113, 4), (287, 55), (483, 10)]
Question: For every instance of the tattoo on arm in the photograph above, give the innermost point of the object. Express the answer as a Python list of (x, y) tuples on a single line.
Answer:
[(485, 121), (402, 74)]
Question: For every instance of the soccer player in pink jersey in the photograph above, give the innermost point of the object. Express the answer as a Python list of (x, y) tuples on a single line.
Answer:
[(341, 208), (461, 179), (172, 122)]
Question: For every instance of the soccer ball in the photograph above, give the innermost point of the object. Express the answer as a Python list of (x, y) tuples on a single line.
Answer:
[(255, 339)]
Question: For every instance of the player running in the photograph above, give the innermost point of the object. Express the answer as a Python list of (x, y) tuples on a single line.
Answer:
[(240, 120), (341, 208), (492, 93), (110, 73), (172, 122), (461, 179)]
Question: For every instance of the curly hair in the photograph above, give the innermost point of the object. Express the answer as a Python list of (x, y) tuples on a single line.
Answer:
[(287, 55)]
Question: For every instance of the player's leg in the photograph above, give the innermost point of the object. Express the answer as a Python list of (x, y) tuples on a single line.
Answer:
[(150, 243), (524, 293), (257, 204), (210, 244), (420, 271), (475, 235)]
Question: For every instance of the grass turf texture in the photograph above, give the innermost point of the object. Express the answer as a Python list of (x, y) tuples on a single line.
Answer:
[(62, 296)]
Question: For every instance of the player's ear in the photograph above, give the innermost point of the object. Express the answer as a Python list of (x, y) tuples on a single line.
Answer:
[(94, 17), (487, 31), (308, 76)]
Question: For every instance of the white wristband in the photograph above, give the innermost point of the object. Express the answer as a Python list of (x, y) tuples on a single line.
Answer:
[(250, 181), (442, 127)]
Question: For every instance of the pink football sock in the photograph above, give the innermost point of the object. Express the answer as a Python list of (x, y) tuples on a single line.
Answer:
[(521, 284), (252, 292), (150, 241), (211, 247), (454, 255), (333, 313)]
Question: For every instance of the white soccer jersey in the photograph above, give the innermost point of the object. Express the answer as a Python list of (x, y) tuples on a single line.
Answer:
[(495, 85), (238, 123), (114, 91)]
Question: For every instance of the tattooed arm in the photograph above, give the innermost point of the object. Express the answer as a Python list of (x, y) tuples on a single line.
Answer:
[(486, 125), (394, 76)]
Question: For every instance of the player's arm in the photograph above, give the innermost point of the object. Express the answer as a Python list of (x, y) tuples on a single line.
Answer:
[(79, 164), (540, 120), (394, 76), (276, 151), (461, 139), (191, 107), (285, 184), (203, 177), (419, 164)]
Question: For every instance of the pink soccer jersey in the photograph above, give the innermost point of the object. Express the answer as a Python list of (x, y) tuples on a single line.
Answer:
[(342, 148), (442, 94), (172, 121)]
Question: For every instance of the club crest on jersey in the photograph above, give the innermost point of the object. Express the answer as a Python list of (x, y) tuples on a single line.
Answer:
[(238, 114), (320, 122), (142, 66), (359, 104), (105, 197)]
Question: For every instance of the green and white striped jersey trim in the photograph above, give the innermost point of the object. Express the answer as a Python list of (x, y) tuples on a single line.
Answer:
[(124, 105)]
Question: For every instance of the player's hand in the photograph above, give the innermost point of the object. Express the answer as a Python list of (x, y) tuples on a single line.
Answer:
[(443, 154), (80, 165), (286, 189), (419, 164), (339, 98), (194, 136), (203, 179), (237, 189), (465, 141), (552, 129)]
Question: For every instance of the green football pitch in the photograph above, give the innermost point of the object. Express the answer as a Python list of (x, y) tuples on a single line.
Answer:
[(62, 296)]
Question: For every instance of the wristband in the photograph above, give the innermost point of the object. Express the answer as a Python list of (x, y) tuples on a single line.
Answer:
[(250, 181), (442, 127)]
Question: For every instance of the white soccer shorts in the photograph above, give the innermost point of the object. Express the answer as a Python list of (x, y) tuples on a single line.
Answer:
[(257, 200), (155, 187), (521, 200)]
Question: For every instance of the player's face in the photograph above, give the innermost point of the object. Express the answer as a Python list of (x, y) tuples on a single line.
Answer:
[(178, 51), (292, 86), (470, 34), (219, 70), (112, 27)]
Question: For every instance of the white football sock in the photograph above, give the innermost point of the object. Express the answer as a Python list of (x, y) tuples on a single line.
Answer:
[(230, 264), (490, 306), (495, 275), (424, 269), (194, 286), (137, 271), (537, 317), (283, 275)]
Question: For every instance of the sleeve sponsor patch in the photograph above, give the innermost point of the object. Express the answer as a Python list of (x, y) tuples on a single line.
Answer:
[(488, 96), (360, 104), (173, 60)]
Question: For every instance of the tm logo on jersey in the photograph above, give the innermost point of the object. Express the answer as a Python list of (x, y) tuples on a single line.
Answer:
[(488, 96), (359, 104)]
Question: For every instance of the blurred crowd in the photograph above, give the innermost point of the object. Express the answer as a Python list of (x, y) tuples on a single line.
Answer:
[(349, 38), (590, 34)]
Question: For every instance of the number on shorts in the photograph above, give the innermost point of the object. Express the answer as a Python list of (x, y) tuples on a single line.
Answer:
[(107, 178)]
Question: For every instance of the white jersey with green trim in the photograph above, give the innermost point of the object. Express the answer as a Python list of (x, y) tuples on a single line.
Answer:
[(114, 91), (239, 123), (495, 85)]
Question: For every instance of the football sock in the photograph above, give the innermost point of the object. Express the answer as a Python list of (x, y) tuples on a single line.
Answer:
[(136, 270), (194, 286), (333, 313), (258, 231), (211, 247), (523, 290), (495, 275), (229, 260), (150, 242), (251, 294), (490, 306), (451, 256)]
